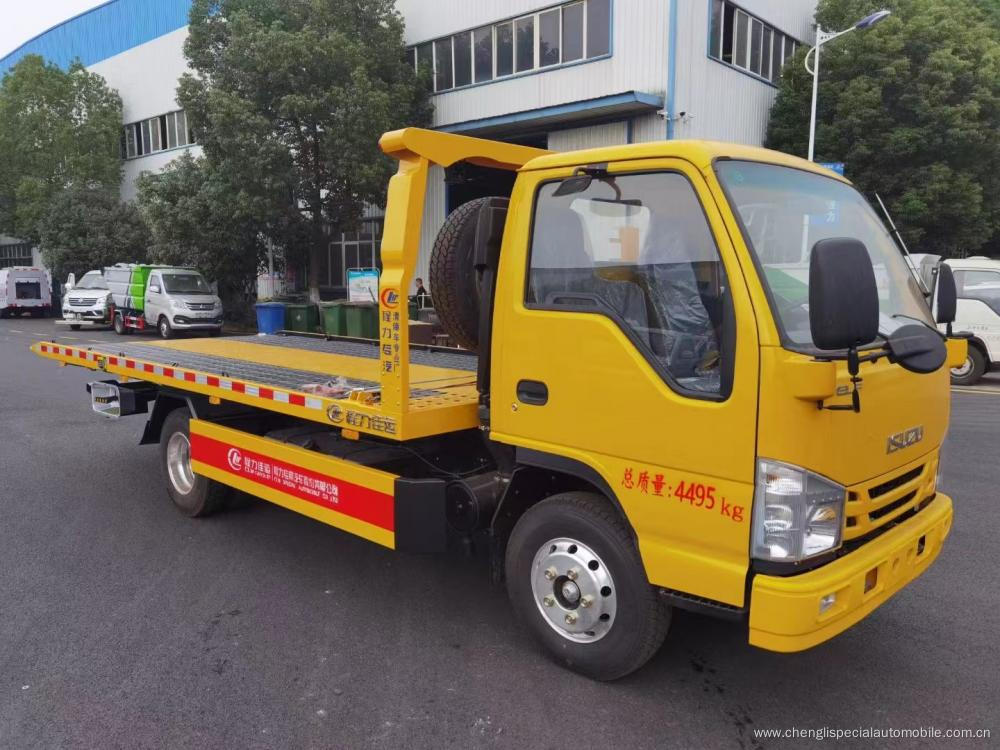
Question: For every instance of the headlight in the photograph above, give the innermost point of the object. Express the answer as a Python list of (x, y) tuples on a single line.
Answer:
[(796, 514), (179, 304)]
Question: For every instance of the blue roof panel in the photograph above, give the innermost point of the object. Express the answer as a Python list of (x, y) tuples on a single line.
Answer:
[(103, 32)]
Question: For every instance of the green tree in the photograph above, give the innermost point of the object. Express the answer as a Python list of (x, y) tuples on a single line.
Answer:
[(88, 227), (912, 106), (197, 220), (57, 129), (289, 98)]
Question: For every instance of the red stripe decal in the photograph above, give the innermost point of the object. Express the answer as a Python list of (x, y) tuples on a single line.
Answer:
[(130, 364), (296, 399), (168, 372), (189, 376), (113, 361), (267, 393), (213, 381), (44, 348), (238, 387), (81, 354), (352, 500)]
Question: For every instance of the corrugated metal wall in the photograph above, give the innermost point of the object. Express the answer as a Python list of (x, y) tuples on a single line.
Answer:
[(593, 136), (638, 61), (104, 31)]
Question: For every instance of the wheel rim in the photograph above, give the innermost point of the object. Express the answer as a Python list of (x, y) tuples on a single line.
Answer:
[(965, 369), (573, 590), (163, 328), (179, 463)]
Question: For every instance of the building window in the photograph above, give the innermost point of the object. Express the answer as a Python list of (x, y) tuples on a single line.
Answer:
[(361, 248), (156, 134), (15, 255), (579, 30), (747, 42)]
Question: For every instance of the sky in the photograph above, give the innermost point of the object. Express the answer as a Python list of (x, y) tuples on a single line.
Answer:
[(21, 20)]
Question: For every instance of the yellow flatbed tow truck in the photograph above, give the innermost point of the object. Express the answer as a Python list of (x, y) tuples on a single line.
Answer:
[(693, 374)]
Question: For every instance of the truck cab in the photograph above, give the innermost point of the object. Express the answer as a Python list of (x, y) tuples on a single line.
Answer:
[(25, 290), (696, 375), (977, 280)]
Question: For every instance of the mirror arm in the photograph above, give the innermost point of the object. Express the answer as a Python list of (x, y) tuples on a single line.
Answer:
[(854, 360)]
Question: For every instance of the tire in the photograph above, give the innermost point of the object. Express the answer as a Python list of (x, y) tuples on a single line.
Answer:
[(74, 327), (581, 530), (119, 324), (972, 370), (454, 280), (164, 327), (194, 495)]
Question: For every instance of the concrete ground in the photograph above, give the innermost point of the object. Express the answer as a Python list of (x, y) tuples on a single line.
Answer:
[(124, 624)]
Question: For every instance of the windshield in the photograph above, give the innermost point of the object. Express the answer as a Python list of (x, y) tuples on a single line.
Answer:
[(785, 212), (185, 283), (92, 280)]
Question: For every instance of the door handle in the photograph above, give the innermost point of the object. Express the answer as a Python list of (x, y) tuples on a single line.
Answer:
[(533, 392)]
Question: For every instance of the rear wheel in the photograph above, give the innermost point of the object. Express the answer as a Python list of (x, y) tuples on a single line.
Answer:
[(192, 494), (971, 370), (164, 327), (576, 580), (119, 324)]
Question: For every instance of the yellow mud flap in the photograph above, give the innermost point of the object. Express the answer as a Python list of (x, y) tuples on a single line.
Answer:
[(351, 497)]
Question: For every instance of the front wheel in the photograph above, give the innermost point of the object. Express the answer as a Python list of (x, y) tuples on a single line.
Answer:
[(576, 580), (193, 495), (971, 370), (166, 331), (74, 327)]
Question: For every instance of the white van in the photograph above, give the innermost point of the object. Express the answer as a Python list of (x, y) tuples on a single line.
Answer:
[(87, 302), (978, 283), (25, 290)]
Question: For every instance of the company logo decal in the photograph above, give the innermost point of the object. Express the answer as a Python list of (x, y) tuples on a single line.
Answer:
[(389, 297), (904, 439), (235, 459)]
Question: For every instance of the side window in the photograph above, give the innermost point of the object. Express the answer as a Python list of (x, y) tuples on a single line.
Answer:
[(980, 285), (637, 248)]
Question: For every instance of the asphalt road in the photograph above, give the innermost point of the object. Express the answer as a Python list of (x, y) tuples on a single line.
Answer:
[(124, 624)]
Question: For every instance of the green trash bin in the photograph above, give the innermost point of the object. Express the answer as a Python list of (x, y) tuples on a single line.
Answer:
[(304, 318), (362, 320), (335, 318)]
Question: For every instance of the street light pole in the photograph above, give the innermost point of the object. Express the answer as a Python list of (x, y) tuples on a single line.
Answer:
[(822, 37)]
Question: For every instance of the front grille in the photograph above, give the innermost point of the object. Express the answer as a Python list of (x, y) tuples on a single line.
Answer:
[(200, 305), (871, 505), (83, 301)]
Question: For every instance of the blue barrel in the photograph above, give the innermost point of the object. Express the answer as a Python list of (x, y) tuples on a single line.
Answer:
[(270, 316)]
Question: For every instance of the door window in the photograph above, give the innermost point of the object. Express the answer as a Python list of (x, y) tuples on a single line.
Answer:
[(638, 249), (980, 285)]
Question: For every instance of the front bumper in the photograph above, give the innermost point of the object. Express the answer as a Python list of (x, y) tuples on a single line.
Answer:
[(785, 611), (85, 319), (190, 323)]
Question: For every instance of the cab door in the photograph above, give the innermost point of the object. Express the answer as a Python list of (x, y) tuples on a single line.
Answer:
[(156, 301), (625, 341)]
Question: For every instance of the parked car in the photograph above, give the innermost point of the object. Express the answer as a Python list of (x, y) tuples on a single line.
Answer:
[(86, 303), (162, 297), (25, 290), (978, 282)]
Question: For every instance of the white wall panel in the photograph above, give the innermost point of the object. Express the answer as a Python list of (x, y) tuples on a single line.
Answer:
[(433, 218), (595, 136), (146, 76)]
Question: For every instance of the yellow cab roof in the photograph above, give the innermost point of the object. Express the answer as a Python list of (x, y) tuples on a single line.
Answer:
[(699, 153)]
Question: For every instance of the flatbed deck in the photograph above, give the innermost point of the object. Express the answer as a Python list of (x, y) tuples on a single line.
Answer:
[(279, 373)]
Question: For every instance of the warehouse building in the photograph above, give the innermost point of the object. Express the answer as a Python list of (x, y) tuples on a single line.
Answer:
[(562, 76)]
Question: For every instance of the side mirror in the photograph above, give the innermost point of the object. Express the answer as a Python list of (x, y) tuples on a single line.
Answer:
[(843, 296), (947, 295), (70, 282), (154, 288)]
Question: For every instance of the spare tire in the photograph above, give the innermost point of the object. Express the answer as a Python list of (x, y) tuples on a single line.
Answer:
[(455, 283)]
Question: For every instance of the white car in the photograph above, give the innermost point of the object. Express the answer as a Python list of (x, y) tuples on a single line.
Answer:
[(87, 302), (978, 283)]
